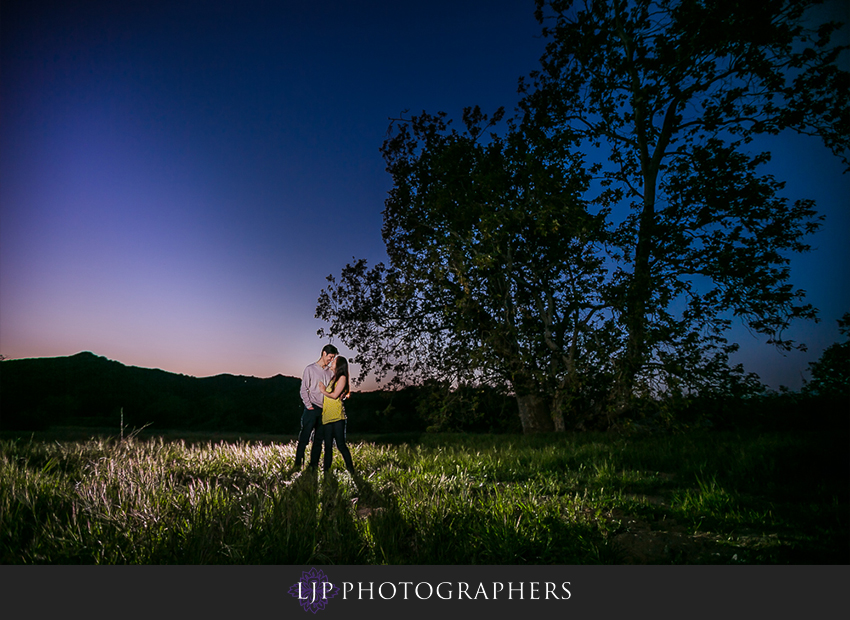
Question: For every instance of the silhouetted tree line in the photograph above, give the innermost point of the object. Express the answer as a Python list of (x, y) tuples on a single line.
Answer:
[(91, 391)]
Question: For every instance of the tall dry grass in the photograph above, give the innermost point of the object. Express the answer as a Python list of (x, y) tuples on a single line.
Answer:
[(443, 499)]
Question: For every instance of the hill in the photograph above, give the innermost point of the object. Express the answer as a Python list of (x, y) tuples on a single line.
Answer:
[(89, 390), (92, 391)]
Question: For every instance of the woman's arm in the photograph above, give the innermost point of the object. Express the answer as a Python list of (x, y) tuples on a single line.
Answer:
[(338, 388)]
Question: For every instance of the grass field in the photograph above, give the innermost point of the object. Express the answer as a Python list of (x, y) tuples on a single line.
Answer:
[(716, 498)]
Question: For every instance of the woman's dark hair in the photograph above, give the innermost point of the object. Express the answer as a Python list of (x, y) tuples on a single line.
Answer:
[(342, 371)]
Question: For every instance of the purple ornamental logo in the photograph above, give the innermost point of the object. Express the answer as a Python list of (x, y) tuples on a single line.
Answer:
[(313, 590)]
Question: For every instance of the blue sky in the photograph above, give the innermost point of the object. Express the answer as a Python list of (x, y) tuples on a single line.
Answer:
[(178, 178)]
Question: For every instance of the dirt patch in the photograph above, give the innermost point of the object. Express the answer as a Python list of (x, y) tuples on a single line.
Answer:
[(665, 541), (364, 512)]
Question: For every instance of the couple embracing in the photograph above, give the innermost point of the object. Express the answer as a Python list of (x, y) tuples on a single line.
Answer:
[(324, 385)]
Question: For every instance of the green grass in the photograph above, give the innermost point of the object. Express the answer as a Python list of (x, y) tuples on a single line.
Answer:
[(433, 499)]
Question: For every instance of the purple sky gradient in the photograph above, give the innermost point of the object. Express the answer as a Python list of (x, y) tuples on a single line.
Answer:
[(178, 178)]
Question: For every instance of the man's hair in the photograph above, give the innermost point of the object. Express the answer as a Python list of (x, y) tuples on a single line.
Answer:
[(329, 348)]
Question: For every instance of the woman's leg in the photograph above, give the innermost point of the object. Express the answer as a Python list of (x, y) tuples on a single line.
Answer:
[(339, 436), (329, 442)]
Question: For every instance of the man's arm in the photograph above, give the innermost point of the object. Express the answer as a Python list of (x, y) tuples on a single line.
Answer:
[(305, 394)]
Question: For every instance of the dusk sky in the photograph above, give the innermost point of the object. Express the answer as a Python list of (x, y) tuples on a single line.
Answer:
[(178, 178)]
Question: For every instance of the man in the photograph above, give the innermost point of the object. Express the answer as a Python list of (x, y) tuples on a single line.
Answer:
[(312, 396)]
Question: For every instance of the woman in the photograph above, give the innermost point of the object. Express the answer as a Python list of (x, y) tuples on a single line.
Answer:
[(333, 413)]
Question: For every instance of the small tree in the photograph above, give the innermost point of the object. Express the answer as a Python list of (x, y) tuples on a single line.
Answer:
[(831, 373)]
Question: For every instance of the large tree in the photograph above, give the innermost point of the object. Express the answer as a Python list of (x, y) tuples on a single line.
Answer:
[(580, 281), (670, 94)]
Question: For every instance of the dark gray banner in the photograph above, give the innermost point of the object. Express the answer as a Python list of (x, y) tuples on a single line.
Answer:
[(441, 592)]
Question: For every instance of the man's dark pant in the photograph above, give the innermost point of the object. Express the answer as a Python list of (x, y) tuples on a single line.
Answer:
[(311, 422)]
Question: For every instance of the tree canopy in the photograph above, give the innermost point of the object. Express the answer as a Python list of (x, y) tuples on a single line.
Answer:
[(495, 264)]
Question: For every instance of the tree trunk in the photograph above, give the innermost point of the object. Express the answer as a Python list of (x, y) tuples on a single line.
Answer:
[(558, 421), (534, 413)]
